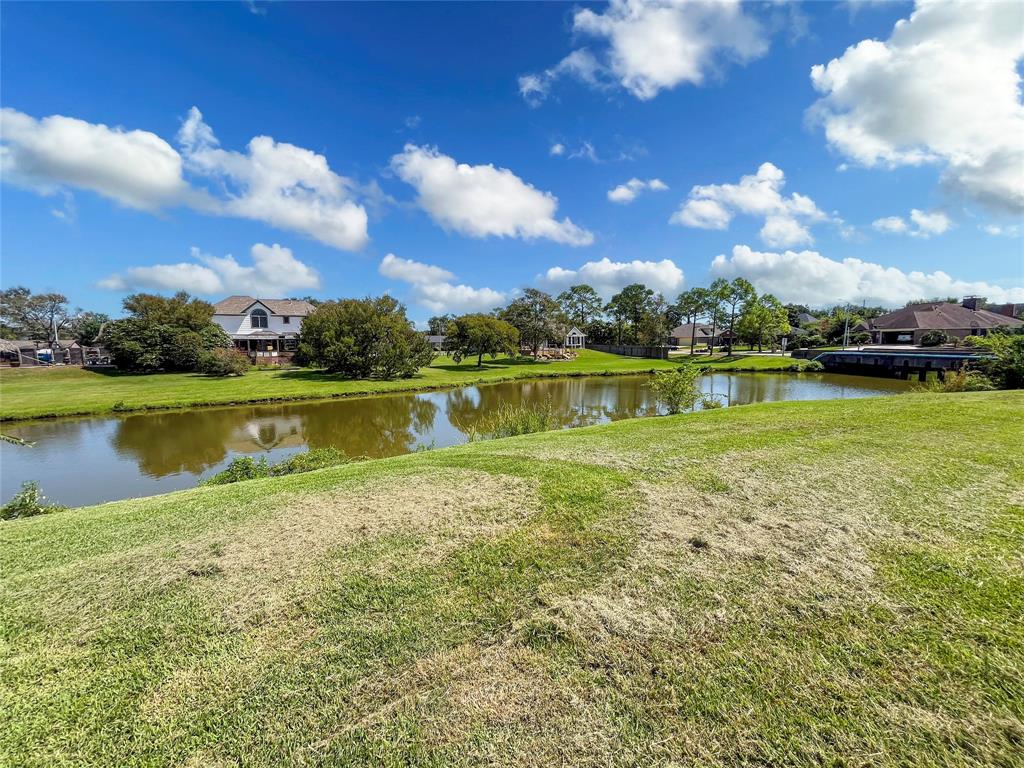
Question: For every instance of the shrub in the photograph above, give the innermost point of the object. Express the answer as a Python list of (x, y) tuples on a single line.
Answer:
[(224, 362), (315, 458), (27, 502), (247, 468), (511, 420), (677, 390), (240, 468), (814, 340), (364, 337), (1006, 366), (934, 338), (964, 380), (711, 402)]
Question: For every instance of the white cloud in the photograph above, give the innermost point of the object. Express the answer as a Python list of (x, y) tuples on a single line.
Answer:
[(894, 225), (135, 168), (810, 278), (481, 200), (626, 193), (1001, 230), (274, 271), (787, 219), (434, 289), (650, 46), (608, 277), (944, 88), (586, 151), (557, 149), (922, 224), (278, 183)]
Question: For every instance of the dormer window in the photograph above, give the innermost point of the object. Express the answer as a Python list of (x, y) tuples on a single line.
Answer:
[(258, 318)]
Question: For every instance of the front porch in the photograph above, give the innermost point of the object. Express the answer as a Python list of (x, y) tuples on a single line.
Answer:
[(267, 348)]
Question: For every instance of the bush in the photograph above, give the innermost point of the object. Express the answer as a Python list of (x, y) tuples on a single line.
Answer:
[(315, 458), (677, 390), (964, 380), (814, 340), (800, 366), (247, 468), (511, 420), (934, 338), (1006, 366), (364, 337), (224, 362), (28, 502), (240, 468)]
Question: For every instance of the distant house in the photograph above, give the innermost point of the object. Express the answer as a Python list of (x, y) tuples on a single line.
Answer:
[(265, 329), (438, 341), (681, 335), (805, 318), (910, 324), (575, 338), (29, 352)]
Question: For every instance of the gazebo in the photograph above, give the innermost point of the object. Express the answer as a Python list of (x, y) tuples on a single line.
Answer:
[(575, 339)]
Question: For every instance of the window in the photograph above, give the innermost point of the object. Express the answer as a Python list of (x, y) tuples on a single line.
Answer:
[(287, 320), (258, 318)]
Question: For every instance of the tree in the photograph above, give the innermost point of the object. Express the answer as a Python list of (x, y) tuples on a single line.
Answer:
[(652, 327), (481, 335), (628, 308), (581, 304), (364, 337), (717, 294), (179, 310), (678, 389), (734, 297), (40, 316), (763, 318), (86, 327), (692, 305), (537, 317), (438, 324)]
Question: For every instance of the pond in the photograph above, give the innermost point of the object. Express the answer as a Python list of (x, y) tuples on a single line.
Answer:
[(90, 460)]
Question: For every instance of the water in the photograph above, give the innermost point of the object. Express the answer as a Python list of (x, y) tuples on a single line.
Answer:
[(90, 460)]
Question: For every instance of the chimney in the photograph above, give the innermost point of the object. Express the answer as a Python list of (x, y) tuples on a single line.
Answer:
[(973, 302)]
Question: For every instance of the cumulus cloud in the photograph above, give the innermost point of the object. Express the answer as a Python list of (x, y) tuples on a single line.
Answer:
[(647, 46), (1001, 230), (626, 193), (274, 271), (922, 224), (277, 183), (786, 219), (481, 200), (810, 278), (433, 287), (557, 149), (608, 277), (137, 169), (944, 88)]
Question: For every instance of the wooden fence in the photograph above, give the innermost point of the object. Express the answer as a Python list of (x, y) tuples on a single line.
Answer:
[(632, 350)]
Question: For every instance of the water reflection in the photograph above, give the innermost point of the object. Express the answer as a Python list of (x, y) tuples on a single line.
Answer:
[(84, 461)]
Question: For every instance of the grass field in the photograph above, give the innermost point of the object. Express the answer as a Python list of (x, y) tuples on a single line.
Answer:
[(38, 392), (804, 583)]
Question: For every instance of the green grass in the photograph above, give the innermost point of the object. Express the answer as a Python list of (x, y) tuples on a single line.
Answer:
[(37, 392), (805, 583)]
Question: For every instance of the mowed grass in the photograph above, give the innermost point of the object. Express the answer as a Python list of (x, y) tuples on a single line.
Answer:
[(38, 392), (802, 583)]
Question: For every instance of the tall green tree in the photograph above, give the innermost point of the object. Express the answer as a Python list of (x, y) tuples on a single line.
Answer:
[(580, 304), (438, 324), (363, 338), (537, 317), (628, 308), (718, 291), (692, 305), (763, 319), (734, 297), (86, 327), (40, 316), (481, 335)]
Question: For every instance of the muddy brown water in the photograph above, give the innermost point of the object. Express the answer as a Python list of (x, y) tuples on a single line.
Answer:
[(90, 460)]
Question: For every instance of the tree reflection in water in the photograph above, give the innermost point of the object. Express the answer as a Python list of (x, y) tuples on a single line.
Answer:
[(370, 426)]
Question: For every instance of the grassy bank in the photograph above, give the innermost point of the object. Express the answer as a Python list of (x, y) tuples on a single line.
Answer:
[(804, 583), (36, 392)]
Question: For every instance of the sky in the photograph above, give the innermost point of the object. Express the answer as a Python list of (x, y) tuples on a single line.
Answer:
[(453, 154)]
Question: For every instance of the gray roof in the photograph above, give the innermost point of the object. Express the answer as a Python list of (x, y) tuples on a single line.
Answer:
[(237, 305), (941, 316)]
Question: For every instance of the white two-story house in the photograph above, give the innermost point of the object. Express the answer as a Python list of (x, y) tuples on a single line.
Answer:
[(262, 328)]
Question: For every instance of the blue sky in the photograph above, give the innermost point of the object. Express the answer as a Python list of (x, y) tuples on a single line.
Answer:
[(368, 107)]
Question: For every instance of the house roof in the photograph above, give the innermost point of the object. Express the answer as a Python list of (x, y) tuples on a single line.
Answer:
[(806, 317), (942, 316), (10, 345), (575, 331), (703, 331), (237, 305)]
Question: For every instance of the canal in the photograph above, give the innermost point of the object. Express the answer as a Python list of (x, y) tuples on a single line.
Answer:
[(89, 460)]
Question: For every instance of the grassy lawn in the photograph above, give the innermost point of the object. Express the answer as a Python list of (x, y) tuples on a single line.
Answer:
[(37, 392), (802, 583)]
